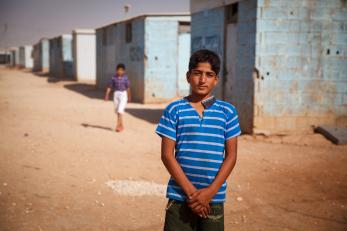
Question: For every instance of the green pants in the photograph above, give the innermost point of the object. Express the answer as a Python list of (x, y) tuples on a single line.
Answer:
[(179, 217)]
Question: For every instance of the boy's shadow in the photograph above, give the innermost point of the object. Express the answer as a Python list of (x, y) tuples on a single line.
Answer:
[(96, 126), (86, 89), (148, 114)]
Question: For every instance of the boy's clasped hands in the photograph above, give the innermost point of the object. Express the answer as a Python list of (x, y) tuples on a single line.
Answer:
[(199, 202)]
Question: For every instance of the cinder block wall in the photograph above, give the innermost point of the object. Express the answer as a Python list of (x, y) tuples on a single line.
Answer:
[(112, 49), (150, 55), (161, 58), (301, 55), (208, 31)]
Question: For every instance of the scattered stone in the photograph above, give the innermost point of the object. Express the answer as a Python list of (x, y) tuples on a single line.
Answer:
[(99, 193), (28, 210), (239, 199), (99, 203), (137, 188), (26, 134), (14, 204), (5, 184)]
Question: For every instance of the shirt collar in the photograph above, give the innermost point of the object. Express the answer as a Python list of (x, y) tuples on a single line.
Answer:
[(208, 102), (116, 76)]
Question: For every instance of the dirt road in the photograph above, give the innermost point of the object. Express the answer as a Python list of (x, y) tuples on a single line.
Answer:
[(58, 151)]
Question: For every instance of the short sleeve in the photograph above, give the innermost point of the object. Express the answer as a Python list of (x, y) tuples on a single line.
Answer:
[(110, 83), (167, 125), (232, 128), (127, 83)]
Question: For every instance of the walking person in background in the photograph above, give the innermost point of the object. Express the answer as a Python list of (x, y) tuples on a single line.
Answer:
[(120, 86), (198, 148)]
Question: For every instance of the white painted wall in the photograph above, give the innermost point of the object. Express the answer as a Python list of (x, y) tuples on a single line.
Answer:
[(25, 58), (84, 54)]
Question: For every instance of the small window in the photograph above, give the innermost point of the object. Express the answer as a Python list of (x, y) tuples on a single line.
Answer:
[(128, 32), (183, 27), (232, 12)]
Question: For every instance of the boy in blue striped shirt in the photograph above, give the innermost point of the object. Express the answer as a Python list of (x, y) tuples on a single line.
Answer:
[(199, 148)]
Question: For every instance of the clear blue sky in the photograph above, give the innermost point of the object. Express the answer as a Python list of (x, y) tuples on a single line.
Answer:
[(24, 22)]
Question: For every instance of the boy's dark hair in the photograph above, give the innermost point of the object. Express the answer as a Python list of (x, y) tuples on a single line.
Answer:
[(205, 56), (120, 65)]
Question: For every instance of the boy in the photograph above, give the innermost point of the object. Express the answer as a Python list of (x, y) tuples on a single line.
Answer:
[(199, 147), (119, 84)]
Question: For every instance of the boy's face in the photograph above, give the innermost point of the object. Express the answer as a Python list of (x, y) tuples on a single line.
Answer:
[(202, 79), (120, 71)]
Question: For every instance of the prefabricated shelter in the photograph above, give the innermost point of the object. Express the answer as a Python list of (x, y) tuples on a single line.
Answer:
[(155, 49), (60, 57), (284, 62), (25, 57), (14, 57), (84, 54), (41, 56), (4, 57)]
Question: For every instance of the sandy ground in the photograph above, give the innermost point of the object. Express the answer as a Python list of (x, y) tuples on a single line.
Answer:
[(58, 150)]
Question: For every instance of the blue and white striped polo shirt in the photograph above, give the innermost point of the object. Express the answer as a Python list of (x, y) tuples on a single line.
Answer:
[(199, 142)]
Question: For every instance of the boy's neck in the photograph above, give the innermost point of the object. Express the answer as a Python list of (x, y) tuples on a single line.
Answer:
[(198, 98)]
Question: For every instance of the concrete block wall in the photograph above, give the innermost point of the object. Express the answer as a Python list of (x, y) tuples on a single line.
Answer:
[(241, 91), (207, 31), (150, 57), (113, 49), (161, 58), (301, 55)]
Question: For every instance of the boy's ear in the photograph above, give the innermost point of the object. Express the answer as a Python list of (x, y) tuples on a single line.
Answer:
[(187, 76), (215, 82)]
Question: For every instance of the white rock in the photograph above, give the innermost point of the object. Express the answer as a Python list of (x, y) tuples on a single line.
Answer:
[(137, 188)]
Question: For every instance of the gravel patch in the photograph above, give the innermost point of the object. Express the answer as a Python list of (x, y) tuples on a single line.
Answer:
[(137, 188)]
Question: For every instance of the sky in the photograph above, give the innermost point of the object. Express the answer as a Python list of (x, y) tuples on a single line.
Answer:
[(24, 22)]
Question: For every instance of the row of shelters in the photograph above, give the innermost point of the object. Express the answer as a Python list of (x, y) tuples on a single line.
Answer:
[(283, 62)]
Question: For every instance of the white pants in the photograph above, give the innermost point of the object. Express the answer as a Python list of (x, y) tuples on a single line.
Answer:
[(120, 99)]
